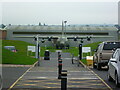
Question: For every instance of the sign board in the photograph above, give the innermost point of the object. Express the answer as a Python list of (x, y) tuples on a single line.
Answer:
[(58, 50), (86, 49), (32, 48)]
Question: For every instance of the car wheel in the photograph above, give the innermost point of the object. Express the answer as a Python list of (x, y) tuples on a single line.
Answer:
[(109, 77), (94, 66), (116, 80), (99, 66)]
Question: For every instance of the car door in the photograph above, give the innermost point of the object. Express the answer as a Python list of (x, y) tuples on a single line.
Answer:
[(112, 65), (118, 63)]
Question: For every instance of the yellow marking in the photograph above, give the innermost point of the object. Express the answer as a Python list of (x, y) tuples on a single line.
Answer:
[(52, 87), (75, 82), (75, 85), (21, 77), (52, 83), (33, 81), (96, 84), (97, 76), (29, 84)]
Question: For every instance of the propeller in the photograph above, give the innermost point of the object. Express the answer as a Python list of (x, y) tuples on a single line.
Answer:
[(75, 39), (81, 40), (89, 38), (49, 38), (42, 40)]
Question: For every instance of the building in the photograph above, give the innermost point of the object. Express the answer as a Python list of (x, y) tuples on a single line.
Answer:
[(53, 30), (3, 34)]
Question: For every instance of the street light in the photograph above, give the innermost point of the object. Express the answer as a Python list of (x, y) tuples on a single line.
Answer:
[(65, 27)]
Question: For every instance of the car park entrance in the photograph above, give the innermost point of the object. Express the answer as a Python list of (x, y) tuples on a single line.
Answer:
[(46, 76)]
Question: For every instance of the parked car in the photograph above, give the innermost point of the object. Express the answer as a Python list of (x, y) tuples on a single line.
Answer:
[(11, 48), (103, 53), (114, 68)]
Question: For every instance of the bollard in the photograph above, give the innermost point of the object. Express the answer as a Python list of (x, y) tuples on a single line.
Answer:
[(59, 68), (59, 57), (78, 63), (64, 80), (72, 59), (80, 51), (38, 62)]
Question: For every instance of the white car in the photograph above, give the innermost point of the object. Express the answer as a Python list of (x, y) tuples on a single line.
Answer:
[(114, 67)]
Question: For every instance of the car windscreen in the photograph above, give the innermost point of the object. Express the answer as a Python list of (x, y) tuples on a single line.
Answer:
[(111, 45)]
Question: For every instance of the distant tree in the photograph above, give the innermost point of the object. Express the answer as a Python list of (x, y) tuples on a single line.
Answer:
[(9, 24), (3, 26), (44, 24), (116, 25), (39, 23), (87, 25)]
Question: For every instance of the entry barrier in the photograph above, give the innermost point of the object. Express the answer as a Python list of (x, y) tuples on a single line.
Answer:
[(64, 80)]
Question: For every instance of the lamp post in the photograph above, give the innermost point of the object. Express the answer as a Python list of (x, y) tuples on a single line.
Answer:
[(37, 46), (65, 27)]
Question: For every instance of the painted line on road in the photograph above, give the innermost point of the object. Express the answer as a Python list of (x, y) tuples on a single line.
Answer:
[(82, 78), (96, 75), (57, 72), (21, 76), (101, 79)]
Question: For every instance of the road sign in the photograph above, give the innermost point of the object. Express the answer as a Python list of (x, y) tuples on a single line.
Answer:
[(86, 49), (32, 48)]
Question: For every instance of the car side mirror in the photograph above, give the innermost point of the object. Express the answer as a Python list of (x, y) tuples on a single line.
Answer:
[(113, 60), (95, 50)]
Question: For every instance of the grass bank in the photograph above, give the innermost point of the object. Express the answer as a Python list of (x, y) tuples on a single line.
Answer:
[(19, 57)]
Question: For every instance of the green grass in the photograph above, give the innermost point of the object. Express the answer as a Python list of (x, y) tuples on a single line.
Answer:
[(93, 47), (51, 49), (19, 57), (72, 50), (75, 50)]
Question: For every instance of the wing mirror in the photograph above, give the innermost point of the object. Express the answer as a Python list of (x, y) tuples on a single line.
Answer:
[(113, 60), (95, 50)]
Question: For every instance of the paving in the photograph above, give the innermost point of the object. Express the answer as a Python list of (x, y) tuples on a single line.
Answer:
[(45, 76)]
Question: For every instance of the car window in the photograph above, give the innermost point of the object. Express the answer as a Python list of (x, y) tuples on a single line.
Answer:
[(100, 47), (111, 45), (119, 55), (114, 55)]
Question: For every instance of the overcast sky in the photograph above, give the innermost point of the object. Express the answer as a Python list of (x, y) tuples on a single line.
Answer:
[(54, 12)]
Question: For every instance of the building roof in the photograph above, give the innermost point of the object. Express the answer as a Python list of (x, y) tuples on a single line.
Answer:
[(30, 27)]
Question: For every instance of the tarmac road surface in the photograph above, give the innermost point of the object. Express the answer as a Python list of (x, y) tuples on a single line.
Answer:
[(103, 74), (11, 74), (45, 76)]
